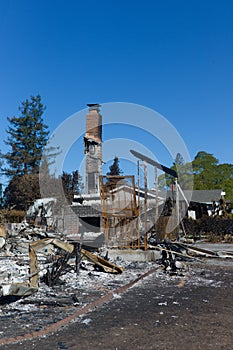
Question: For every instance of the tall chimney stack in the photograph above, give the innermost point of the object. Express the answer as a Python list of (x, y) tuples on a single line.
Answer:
[(93, 148)]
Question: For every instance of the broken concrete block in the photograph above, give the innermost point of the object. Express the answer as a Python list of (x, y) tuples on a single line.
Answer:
[(18, 289)]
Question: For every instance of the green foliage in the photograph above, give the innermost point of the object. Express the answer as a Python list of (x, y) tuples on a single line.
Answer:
[(204, 172), (11, 216), (21, 191), (27, 136), (184, 171), (72, 184), (114, 169), (209, 174), (203, 161)]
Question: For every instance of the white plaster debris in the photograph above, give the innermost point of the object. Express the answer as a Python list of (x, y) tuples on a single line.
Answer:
[(86, 321), (163, 303), (75, 287), (116, 296)]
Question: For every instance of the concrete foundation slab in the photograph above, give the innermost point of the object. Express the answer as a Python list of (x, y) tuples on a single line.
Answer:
[(134, 255)]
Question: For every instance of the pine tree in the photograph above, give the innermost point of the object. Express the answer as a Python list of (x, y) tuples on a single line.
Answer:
[(205, 167), (72, 184), (27, 136), (179, 160), (21, 191), (114, 169), (184, 172)]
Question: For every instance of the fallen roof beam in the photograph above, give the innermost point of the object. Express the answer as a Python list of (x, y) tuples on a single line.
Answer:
[(154, 163), (104, 264)]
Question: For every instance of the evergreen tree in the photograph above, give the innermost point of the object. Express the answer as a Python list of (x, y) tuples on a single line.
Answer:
[(206, 173), (205, 169), (114, 169), (27, 136), (225, 180), (209, 174), (179, 160), (184, 171), (21, 191), (203, 161), (72, 184)]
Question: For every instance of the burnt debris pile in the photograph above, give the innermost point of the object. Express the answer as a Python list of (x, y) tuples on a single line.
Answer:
[(33, 256), (34, 259)]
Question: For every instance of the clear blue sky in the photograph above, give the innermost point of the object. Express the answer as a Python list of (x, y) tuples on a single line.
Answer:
[(175, 57)]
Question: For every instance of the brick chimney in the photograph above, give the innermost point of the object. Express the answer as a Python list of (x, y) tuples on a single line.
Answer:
[(93, 148)]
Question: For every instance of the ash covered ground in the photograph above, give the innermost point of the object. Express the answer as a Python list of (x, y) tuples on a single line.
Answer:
[(162, 311), (195, 292)]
